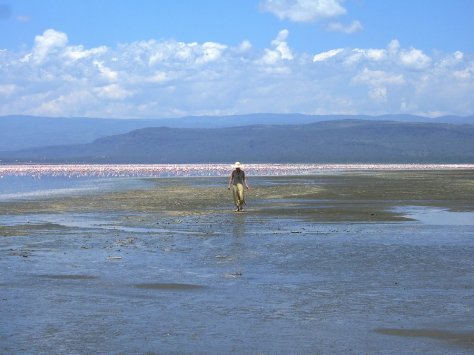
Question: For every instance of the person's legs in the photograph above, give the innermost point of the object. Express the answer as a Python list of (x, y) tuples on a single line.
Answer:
[(235, 193), (240, 190), (238, 193)]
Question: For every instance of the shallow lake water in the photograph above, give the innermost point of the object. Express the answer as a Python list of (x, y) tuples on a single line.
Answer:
[(437, 216), (133, 281)]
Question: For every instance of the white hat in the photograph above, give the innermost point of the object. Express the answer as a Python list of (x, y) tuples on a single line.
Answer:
[(237, 164)]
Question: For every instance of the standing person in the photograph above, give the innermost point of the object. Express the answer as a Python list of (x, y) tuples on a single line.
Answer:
[(237, 180)]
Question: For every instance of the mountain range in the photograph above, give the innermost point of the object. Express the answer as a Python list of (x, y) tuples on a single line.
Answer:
[(336, 141), (21, 132)]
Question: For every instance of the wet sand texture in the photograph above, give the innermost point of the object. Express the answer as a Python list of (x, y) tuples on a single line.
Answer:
[(356, 196)]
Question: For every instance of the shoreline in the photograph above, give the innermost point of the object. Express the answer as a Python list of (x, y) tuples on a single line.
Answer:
[(209, 169)]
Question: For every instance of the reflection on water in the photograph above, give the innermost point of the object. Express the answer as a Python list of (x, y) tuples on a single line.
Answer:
[(437, 216), (238, 227), (29, 187)]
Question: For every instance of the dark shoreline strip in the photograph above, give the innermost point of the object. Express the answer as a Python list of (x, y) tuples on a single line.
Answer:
[(464, 339)]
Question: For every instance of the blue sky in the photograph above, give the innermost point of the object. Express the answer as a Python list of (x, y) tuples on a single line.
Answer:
[(170, 58)]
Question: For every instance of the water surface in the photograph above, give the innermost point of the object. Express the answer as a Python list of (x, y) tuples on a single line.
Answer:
[(340, 262)]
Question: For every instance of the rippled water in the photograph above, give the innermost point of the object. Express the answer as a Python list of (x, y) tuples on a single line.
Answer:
[(234, 283)]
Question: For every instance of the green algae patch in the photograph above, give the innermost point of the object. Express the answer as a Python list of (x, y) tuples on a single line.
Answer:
[(28, 228)]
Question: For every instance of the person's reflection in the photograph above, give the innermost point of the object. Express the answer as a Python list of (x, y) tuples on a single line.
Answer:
[(237, 247), (238, 226)]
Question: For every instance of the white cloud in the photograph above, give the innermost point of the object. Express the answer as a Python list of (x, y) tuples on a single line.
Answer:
[(245, 46), (323, 56), (58, 104), (393, 46), (281, 45), (211, 52), (355, 26), (458, 55), (358, 55), (156, 53), (378, 81), (411, 59), (451, 61), (49, 42), (303, 10), (160, 52), (378, 77), (374, 54), (78, 52), (105, 72), (414, 59), (158, 77), (112, 92), (163, 78), (281, 51), (465, 74)]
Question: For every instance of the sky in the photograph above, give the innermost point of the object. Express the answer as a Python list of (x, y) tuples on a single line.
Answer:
[(174, 58)]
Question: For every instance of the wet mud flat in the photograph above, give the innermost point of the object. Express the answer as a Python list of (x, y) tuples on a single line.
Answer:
[(336, 263)]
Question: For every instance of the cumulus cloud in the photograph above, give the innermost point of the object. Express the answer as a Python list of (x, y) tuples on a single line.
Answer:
[(245, 46), (303, 10), (466, 74), (75, 53), (50, 42), (156, 53), (169, 78), (280, 52), (358, 55), (452, 60), (211, 52), (414, 59), (355, 26), (105, 72)]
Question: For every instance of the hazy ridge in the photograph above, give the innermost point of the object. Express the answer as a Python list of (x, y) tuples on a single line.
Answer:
[(21, 132), (336, 141)]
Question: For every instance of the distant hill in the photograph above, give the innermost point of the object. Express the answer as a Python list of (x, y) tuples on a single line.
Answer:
[(20, 132), (337, 141)]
